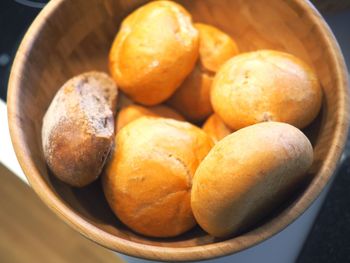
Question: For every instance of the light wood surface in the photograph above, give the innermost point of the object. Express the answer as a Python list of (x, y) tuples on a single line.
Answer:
[(30, 232), (69, 37)]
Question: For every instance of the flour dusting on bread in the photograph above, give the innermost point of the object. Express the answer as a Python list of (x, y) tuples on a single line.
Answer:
[(78, 128)]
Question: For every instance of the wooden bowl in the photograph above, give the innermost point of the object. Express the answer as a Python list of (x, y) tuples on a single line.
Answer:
[(69, 37)]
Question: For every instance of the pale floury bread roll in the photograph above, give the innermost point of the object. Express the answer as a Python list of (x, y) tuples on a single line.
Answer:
[(247, 174), (216, 128), (148, 179), (153, 52), (133, 112), (78, 128), (266, 86), (192, 99), (105, 83)]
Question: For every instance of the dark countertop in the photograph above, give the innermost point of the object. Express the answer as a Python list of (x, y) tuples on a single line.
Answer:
[(15, 18), (329, 239)]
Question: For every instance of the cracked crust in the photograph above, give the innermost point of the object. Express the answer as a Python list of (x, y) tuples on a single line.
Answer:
[(264, 86), (77, 131), (192, 98), (147, 181), (153, 52)]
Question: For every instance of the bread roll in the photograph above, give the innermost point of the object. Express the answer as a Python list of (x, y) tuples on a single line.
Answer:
[(247, 174), (153, 52), (133, 112), (78, 127), (101, 81), (192, 99), (148, 179), (216, 128), (266, 86)]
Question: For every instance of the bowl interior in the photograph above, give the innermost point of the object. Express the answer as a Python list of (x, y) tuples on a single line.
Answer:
[(71, 37)]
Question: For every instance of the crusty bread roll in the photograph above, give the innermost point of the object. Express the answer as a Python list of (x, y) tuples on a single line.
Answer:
[(106, 84), (155, 49), (133, 112), (192, 99), (78, 128), (216, 128), (266, 86), (247, 174), (147, 180)]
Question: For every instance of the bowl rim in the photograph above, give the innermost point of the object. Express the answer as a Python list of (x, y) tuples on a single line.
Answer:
[(200, 252)]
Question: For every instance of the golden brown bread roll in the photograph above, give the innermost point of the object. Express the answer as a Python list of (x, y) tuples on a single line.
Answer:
[(192, 99), (78, 128), (133, 112), (153, 52), (266, 86), (215, 47), (147, 181), (216, 128), (247, 174)]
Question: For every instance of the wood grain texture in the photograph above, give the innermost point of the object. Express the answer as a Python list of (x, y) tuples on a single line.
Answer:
[(69, 37), (30, 232)]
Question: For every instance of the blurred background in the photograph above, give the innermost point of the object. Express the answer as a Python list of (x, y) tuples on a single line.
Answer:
[(30, 232)]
